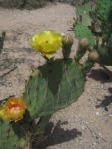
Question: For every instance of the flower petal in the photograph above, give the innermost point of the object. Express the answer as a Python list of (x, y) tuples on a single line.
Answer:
[(46, 42), (3, 113), (49, 55)]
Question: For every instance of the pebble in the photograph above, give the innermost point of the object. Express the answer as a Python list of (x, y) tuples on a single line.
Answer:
[(97, 113)]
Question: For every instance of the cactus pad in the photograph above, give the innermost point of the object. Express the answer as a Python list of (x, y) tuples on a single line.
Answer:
[(84, 8), (104, 8), (82, 31), (8, 138), (105, 56), (53, 86), (82, 13), (86, 20), (110, 41)]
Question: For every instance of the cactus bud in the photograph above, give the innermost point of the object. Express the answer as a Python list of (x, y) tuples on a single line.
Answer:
[(84, 43), (93, 56), (67, 40)]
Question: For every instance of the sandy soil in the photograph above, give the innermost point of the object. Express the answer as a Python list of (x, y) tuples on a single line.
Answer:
[(86, 124)]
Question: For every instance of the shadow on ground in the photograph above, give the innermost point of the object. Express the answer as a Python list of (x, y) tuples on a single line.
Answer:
[(57, 134), (106, 102), (101, 75), (9, 62)]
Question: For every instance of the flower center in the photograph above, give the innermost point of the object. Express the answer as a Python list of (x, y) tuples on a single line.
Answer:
[(12, 106)]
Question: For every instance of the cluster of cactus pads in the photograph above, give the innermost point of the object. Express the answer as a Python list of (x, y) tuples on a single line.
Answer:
[(51, 87), (58, 83), (93, 28)]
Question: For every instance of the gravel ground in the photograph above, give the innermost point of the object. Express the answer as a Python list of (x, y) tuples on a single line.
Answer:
[(86, 124)]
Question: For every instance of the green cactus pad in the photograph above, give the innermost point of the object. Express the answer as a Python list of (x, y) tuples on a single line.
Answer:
[(80, 53), (86, 20), (110, 41), (105, 56), (53, 86), (82, 13), (104, 8), (84, 8), (82, 31), (8, 138)]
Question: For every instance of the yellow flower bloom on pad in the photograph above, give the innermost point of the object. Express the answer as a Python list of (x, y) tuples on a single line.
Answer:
[(47, 42), (13, 109)]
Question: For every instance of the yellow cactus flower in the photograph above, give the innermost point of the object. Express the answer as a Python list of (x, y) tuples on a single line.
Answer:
[(13, 109), (47, 42)]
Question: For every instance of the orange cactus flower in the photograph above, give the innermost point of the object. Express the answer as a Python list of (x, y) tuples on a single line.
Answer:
[(13, 109)]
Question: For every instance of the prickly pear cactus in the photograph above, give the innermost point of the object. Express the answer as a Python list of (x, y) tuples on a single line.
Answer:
[(51, 87), (83, 13), (54, 86), (82, 31), (110, 40), (105, 55), (83, 8), (99, 33), (104, 9)]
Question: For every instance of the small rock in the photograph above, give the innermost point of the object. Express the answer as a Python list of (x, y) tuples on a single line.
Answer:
[(97, 113)]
